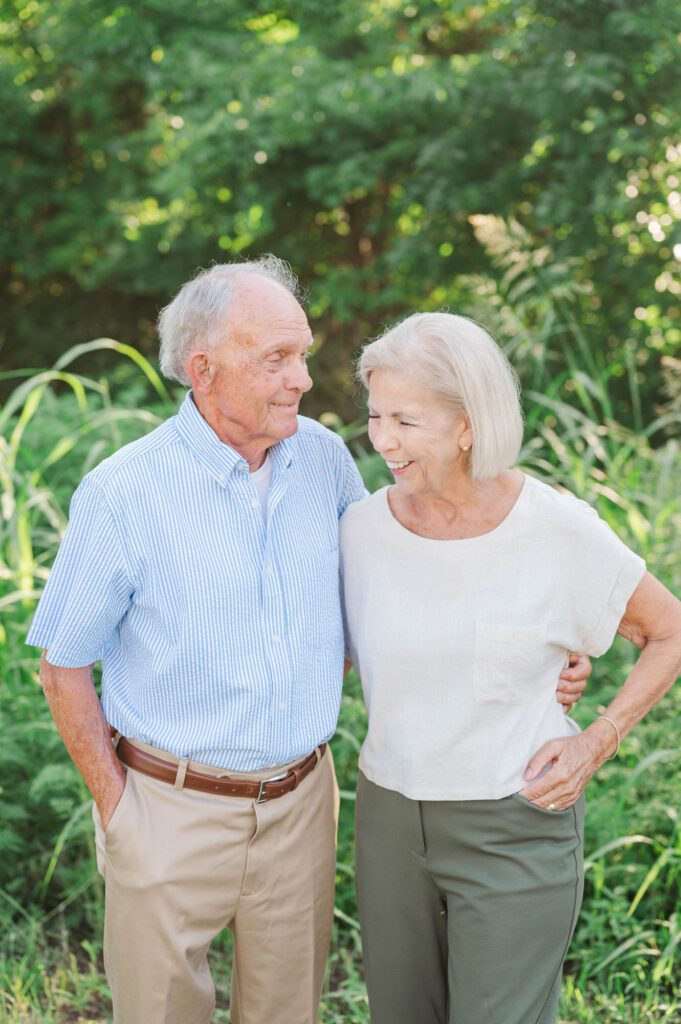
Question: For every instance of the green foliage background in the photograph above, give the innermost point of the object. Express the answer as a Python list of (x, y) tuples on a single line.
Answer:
[(400, 155), (514, 161)]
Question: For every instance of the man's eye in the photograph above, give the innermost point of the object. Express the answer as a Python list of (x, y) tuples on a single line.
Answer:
[(373, 416), (403, 423), (276, 357)]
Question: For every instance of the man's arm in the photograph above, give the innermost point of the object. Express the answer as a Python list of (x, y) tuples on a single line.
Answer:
[(572, 682), (74, 704)]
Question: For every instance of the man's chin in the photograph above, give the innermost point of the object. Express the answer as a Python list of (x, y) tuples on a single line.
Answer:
[(285, 423)]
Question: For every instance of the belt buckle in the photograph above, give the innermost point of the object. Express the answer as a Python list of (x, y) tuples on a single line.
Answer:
[(261, 798)]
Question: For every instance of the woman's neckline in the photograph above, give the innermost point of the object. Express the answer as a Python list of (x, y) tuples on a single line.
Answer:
[(455, 540)]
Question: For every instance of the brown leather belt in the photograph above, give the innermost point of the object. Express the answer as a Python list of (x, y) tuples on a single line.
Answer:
[(260, 790)]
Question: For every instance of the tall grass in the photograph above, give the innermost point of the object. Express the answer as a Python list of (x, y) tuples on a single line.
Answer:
[(54, 427), (624, 961)]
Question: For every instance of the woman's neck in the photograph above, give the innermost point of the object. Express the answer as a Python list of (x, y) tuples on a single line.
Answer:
[(464, 508)]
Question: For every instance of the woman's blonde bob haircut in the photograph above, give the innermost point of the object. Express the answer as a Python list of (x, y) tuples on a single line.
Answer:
[(459, 361)]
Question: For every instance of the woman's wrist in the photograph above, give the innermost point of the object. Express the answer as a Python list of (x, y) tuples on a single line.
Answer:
[(605, 735), (618, 735)]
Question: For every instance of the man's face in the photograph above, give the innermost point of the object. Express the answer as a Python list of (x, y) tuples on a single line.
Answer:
[(259, 370)]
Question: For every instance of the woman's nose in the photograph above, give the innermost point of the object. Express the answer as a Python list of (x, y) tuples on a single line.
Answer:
[(383, 438)]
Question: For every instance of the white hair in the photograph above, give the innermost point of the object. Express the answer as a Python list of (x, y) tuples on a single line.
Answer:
[(459, 361), (196, 316)]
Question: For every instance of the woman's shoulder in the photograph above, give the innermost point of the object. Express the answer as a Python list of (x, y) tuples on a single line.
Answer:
[(556, 500), (363, 510), (557, 514), (360, 514)]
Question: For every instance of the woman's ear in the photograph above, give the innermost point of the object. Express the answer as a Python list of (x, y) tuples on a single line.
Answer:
[(465, 432)]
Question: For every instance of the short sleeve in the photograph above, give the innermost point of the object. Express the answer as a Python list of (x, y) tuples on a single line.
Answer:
[(352, 485), (88, 591), (606, 574)]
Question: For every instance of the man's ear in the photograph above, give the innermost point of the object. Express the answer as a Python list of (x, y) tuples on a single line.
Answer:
[(201, 371)]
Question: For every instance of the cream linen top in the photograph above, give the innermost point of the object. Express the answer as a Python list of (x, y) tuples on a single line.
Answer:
[(459, 643)]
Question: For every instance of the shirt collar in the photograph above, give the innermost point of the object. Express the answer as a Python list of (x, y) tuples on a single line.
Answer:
[(219, 457)]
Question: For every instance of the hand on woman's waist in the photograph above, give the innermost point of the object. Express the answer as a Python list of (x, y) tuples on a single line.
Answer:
[(560, 770)]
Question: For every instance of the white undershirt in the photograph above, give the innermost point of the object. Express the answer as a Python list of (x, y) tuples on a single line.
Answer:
[(260, 478), (459, 643)]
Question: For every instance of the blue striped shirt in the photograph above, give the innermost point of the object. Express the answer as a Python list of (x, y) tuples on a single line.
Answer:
[(219, 629)]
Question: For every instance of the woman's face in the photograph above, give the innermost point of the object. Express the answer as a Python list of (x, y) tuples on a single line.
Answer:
[(416, 432)]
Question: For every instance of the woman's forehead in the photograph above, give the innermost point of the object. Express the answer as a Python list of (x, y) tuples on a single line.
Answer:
[(397, 387)]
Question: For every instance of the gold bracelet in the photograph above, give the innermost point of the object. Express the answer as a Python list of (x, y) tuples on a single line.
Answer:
[(617, 733)]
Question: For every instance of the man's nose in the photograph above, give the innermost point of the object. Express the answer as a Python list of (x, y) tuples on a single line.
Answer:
[(300, 379)]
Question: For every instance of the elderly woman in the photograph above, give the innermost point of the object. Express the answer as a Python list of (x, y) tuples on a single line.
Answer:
[(466, 582)]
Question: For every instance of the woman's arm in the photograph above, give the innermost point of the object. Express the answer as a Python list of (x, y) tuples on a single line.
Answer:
[(652, 621)]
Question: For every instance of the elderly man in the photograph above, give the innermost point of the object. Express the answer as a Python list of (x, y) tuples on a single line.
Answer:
[(200, 566)]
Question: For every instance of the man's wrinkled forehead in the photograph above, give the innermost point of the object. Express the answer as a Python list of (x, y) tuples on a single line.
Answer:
[(265, 312)]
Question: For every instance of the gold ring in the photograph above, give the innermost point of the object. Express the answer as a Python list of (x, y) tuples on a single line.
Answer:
[(552, 807)]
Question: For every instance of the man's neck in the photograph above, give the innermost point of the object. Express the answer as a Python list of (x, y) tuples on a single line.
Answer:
[(254, 452)]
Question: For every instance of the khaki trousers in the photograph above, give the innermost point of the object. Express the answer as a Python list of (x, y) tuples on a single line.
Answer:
[(181, 865)]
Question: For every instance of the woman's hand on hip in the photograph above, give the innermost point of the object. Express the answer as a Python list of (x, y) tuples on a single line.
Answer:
[(568, 764)]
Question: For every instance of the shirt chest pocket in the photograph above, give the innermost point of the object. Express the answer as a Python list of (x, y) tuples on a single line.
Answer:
[(510, 662)]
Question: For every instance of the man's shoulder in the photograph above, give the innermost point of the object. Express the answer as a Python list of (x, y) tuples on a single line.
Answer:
[(309, 428), (135, 456), (313, 436)]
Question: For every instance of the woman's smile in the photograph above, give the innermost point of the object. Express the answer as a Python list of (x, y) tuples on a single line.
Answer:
[(397, 467)]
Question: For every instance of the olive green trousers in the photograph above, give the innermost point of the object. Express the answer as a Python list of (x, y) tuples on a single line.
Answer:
[(467, 907)]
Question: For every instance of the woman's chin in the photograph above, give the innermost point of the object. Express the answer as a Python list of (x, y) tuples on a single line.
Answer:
[(405, 486)]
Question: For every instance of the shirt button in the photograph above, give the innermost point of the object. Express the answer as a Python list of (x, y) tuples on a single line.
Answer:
[(223, 478), (282, 707), (255, 503), (270, 570), (276, 639)]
